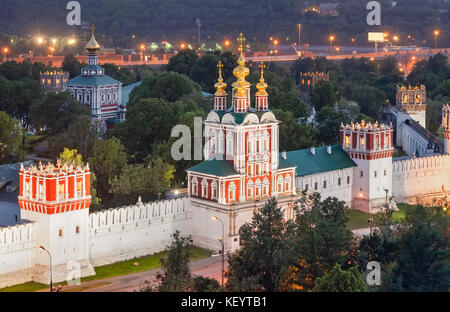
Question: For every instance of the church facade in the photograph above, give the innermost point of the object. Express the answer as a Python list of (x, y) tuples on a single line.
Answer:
[(93, 88)]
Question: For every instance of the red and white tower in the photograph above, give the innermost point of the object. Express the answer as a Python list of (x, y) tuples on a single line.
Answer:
[(446, 127), (57, 198), (371, 147)]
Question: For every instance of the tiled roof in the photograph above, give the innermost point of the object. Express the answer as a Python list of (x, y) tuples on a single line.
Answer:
[(284, 163), (96, 80), (240, 117), (127, 90), (216, 167), (321, 161)]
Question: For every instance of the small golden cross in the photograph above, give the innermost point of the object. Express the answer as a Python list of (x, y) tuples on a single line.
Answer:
[(241, 40)]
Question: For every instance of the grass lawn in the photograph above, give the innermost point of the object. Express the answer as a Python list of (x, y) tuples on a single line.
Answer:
[(25, 287), (358, 219), (115, 269)]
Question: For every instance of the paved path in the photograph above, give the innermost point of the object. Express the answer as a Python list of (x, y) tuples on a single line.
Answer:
[(208, 267)]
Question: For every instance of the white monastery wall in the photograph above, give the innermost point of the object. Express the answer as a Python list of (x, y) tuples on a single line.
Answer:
[(17, 249), (328, 184), (128, 232), (424, 176)]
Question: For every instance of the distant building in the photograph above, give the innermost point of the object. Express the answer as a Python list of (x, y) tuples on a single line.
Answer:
[(310, 79), (102, 93), (53, 80), (328, 8)]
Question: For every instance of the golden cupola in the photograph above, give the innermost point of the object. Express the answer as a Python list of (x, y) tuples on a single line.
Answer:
[(241, 71), (261, 86), (220, 85), (92, 45), (220, 97)]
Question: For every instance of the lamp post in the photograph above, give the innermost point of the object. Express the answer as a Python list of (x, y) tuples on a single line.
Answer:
[(223, 245), (436, 34), (331, 39), (51, 282)]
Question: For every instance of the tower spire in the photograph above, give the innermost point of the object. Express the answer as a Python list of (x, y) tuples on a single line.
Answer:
[(241, 87), (92, 48), (220, 97), (261, 95)]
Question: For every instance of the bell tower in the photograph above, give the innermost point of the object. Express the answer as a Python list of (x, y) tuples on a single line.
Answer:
[(57, 197), (371, 147)]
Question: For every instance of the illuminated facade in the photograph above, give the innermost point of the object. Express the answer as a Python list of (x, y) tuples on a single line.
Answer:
[(53, 80)]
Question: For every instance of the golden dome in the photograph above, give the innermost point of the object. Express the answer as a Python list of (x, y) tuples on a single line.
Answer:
[(220, 85), (261, 85), (92, 44), (241, 71)]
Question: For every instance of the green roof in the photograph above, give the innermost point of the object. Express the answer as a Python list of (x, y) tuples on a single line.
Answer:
[(127, 90), (284, 163), (321, 161), (96, 80), (216, 167)]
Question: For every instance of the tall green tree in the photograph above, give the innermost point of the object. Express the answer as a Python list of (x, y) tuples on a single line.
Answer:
[(339, 280), (176, 275), (107, 162), (182, 62), (261, 260), (10, 139)]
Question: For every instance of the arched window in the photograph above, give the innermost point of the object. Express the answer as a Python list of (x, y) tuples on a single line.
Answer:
[(229, 143), (265, 187), (194, 187), (250, 189), (232, 192), (221, 143), (280, 184), (287, 183), (258, 188), (213, 142), (214, 189), (204, 188)]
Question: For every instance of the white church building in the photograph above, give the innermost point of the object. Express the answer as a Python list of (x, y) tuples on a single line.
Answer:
[(242, 170)]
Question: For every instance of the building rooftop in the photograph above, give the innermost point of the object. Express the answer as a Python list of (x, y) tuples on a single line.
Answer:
[(95, 80), (308, 163), (127, 90), (216, 167)]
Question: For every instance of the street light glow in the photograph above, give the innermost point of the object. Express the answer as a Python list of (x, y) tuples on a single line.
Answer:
[(40, 40)]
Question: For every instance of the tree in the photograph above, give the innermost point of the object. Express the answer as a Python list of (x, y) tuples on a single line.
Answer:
[(107, 161), (328, 123), (182, 62), (261, 260), (71, 156), (61, 109), (71, 65), (204, 71), (294, 135), (169, 86), (205, 284), (322, 233), (10, 139), (324, 93), (423, 257), (148, 181), (81, 134), (338, 280), (176, 275)]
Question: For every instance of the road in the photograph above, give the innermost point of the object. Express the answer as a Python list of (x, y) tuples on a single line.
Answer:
[(208, 267)]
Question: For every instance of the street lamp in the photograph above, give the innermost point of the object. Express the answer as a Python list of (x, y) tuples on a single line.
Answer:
[(331, 39), (436, 34), (223, 243), (5, 52), (51, 282)]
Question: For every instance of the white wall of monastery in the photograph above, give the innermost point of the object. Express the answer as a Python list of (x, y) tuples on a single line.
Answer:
[(420, 176), (128, 232), (17, 253)]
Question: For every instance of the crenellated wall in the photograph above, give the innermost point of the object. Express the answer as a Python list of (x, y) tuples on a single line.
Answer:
[(127, 232), (416, 178), (17, 252)]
